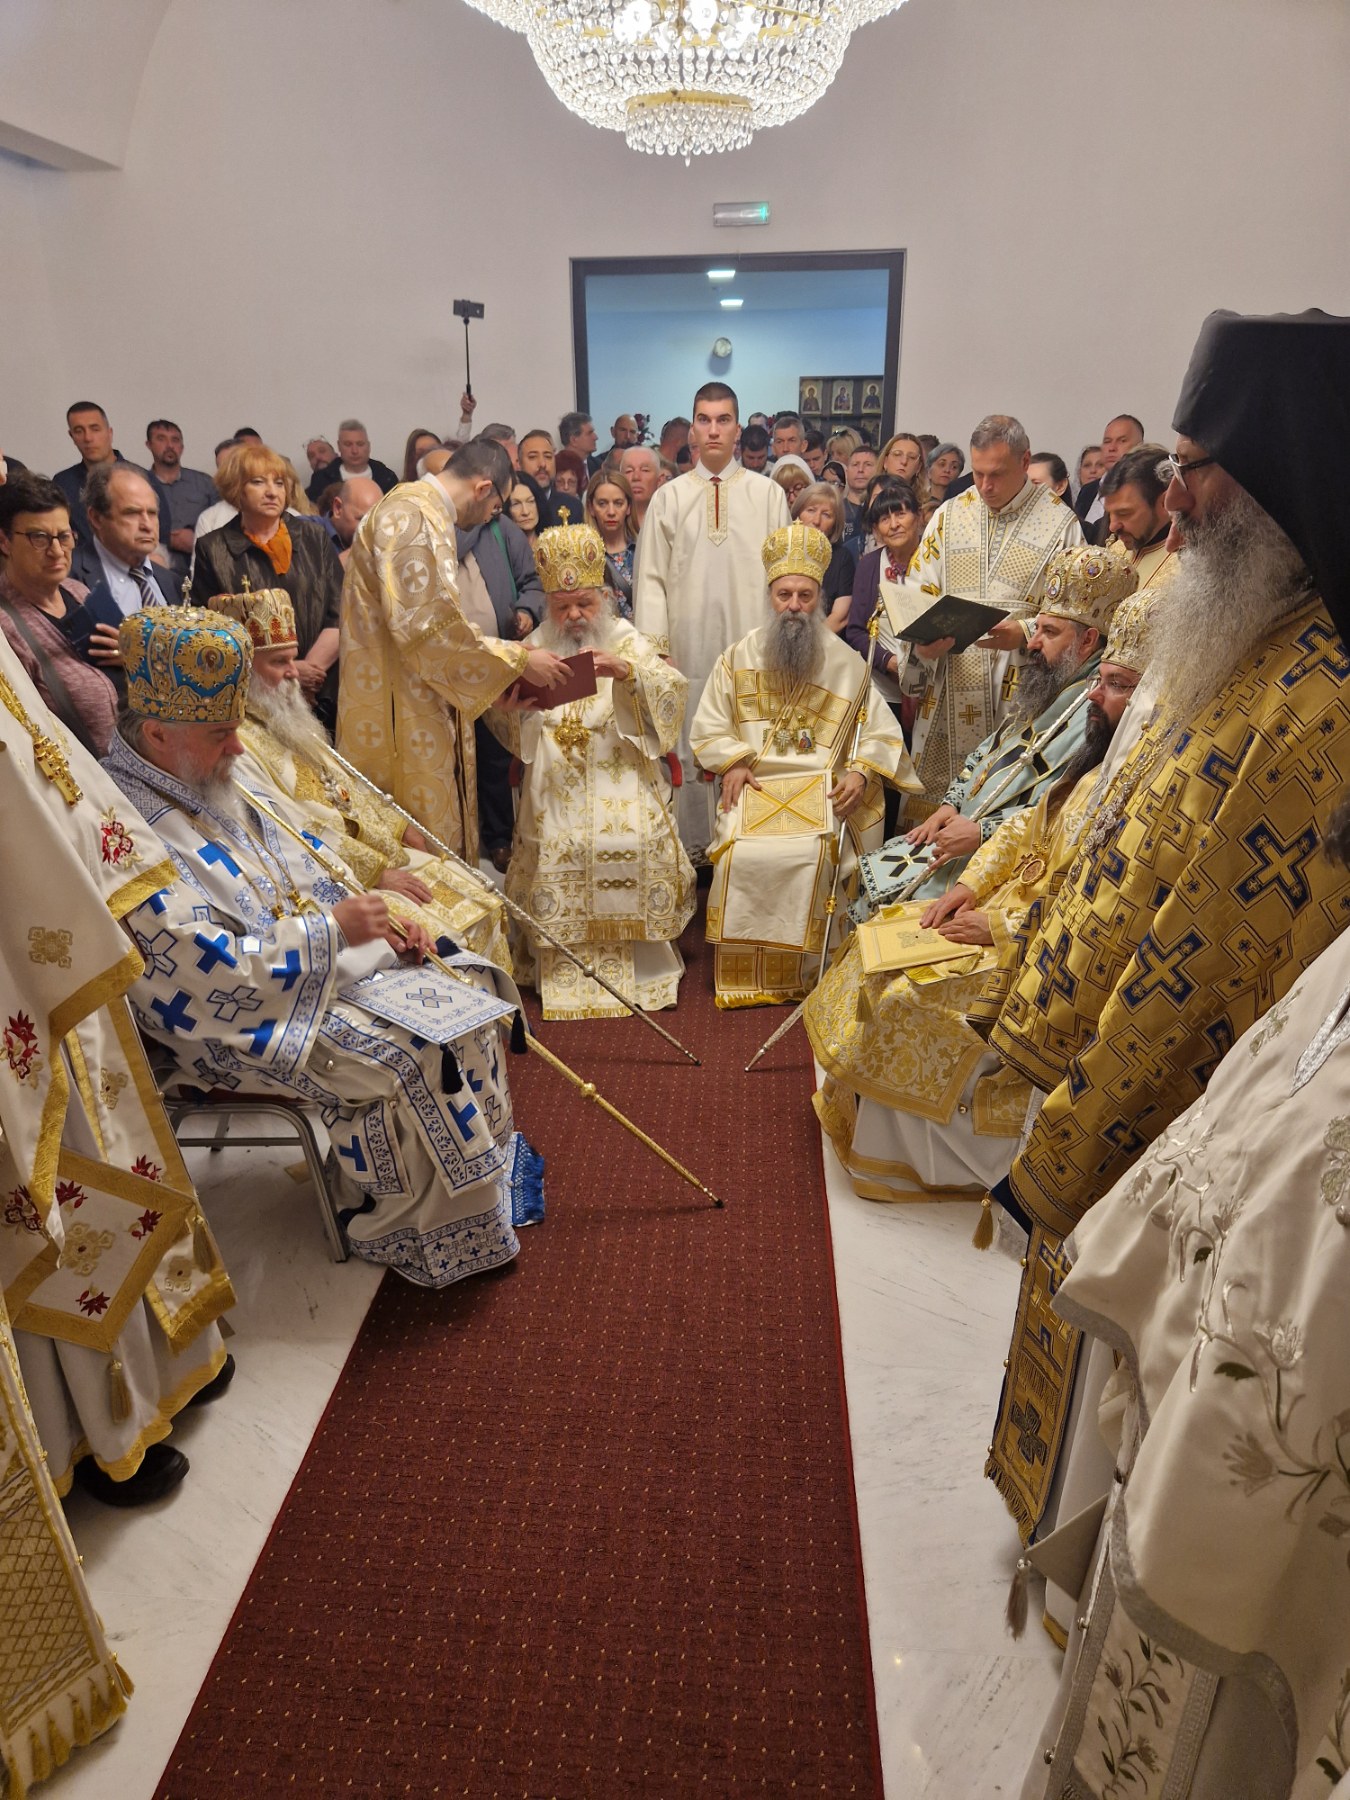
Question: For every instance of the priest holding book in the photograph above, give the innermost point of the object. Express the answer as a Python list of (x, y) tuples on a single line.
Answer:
[(597, 857), (992, 543), (779, 722)]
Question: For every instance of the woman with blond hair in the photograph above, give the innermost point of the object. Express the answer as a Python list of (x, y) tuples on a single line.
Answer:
[(609, 508), (822, 505), (276, 548), (842, 444), (902, 459)]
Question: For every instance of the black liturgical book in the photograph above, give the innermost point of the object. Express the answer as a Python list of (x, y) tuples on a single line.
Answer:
[(964, 620)]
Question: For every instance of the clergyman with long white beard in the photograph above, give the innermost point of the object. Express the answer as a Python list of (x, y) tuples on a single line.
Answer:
[(776, 722), (597, 857)]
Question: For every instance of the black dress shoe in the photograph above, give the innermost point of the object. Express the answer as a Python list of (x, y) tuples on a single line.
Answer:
[(161, 1470), (500, 858), (214, 1389)]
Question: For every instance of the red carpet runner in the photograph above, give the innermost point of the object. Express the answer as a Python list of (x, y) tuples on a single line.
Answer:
[(587, 1529)]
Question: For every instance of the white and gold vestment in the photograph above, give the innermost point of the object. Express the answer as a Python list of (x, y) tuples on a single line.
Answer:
[(415, 672), (698, 587), (773, 853), (997, 557), (597, 858)]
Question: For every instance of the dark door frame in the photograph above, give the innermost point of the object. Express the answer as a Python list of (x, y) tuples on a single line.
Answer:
[(782, 262)]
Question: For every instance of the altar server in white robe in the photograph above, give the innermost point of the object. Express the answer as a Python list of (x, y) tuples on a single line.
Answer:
[(597, 858), (777, 723), (991, 543), (699, 585), (249, 949)]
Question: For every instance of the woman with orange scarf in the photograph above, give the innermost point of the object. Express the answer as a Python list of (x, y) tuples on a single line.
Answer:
[(277, 547)]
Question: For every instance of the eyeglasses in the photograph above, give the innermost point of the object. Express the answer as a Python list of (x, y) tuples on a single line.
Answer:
[(1178, 471), (42, 541), (1112, 684)]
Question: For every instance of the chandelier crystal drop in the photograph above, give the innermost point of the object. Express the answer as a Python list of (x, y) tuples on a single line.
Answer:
[(687, 77)]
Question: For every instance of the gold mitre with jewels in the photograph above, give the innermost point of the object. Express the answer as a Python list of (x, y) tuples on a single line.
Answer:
[(1127, 642), (1086, 584), (266, 614), (796, 550), (569, 557), (185, 665)]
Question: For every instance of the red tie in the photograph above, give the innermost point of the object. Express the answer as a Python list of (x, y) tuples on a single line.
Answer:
[(717, 501)]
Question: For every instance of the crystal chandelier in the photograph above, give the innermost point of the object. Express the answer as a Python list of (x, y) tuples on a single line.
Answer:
[(687, 77)]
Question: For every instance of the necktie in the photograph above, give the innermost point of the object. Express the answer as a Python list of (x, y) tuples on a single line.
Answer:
[(717, 500), (150, 595)]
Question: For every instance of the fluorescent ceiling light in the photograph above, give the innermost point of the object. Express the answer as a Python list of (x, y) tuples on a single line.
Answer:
[(721, 274), (729, 302)]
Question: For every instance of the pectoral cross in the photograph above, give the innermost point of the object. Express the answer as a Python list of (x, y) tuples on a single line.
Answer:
[(51, 760)]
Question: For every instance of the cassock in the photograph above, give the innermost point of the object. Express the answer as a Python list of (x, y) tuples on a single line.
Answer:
[(366, 834), (698, 588), (774, 853), (244, 972), (915, 1103), (1017, 763), (997, 557), (1217, 1270), (597, 857), (415, 672), (1199, 896)]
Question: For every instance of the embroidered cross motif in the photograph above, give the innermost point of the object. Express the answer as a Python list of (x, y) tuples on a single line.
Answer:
[(216, 853), (1280, 865), (1322, 649), (174, 1014), (1162, 974), (261, 1035), (287, 971), (213, 951), (354, 1155)]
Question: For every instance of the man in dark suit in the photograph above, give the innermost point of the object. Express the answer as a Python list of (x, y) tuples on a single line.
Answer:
[(123, 515), (576, 432), (92, 436), (1123, 433)]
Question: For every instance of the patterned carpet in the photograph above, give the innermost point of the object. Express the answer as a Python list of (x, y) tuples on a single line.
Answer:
[(586, 1529)]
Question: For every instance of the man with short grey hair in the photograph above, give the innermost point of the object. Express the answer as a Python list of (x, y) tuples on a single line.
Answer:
[(576, 432), (641, 468), (354, 462), (505, 435), (991, 544), (789, 436)]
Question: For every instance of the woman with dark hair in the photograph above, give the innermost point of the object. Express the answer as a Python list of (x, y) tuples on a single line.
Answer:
[(276, 549), (836, 474), (1050, 470), (569, 482), (895, 518), (419, 442), (527, 508), (42, 611)]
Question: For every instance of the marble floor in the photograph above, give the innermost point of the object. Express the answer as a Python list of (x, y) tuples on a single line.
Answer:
[(925, 1323)]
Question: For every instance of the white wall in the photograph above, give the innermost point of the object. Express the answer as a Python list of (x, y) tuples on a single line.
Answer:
[(643, 361), (307, 185)]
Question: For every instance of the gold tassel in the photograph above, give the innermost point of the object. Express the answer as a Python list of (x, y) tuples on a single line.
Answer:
[(59, 1746), (119, 1394), (1015, 1614), (201, 1245), (18, 1787), (124, 1680), (224, 1327), (37, 1756), (984, 1228), (99, 1712), (78, 1723)]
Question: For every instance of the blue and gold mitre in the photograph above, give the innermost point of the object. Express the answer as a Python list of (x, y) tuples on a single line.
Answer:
[(1087, 582), (796, 550), (185, 665), (569, 557)]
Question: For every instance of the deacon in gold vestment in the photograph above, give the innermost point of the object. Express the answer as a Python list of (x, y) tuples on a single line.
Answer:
[(916, 1104), (597, 858), (415, 672), (991, 543), (288, 751), (777, 722), (1201, 892)]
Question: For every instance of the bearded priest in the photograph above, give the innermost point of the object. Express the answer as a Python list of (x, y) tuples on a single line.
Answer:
[(597, 857), (777, 722), (250, 955), (287, 749)]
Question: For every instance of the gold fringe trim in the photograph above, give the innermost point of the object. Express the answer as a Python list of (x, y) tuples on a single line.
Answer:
[(1012, 1498), (39, 1758), (201, 1245), (984, 1229)]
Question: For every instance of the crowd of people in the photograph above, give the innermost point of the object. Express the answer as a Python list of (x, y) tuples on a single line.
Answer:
[(1029, 787)]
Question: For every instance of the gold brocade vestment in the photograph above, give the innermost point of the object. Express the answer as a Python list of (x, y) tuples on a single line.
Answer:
[(415, 672)]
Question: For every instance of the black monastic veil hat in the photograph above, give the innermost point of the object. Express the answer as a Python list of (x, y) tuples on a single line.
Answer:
[(1269, 399)]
